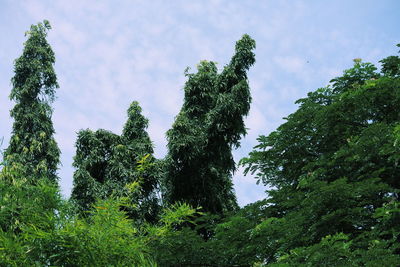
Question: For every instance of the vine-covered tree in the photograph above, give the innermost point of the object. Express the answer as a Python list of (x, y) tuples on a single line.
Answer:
[(106, 163), (32, 146), (199, 161)]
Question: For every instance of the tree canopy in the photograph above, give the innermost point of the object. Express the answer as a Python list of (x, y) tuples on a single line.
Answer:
[(106, 164), (199, 161), (332, 168)]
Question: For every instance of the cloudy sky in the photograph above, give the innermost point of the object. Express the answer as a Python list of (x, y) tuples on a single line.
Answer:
[(110, 53)]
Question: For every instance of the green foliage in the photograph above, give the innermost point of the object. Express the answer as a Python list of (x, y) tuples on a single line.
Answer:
[(106, 238), (180, 248), (170, 246), (105, 163), (336, 251), (332, 168), (391, 65), (38, 228), (232, 243), (209, 125), (32, 146), (23, 208)]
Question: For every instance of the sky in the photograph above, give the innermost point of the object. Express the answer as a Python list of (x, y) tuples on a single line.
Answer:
[(110, 53)]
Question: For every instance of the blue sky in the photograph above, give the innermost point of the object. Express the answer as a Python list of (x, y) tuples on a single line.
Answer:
[(110, 53)]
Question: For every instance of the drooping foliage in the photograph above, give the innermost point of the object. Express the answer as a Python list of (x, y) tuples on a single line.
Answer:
[(332, 169), (210, 123), (107, 163), (32, 146)]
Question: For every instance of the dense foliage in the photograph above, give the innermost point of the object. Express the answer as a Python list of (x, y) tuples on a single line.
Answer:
[(107, 163), (38, 228), (209, 125), (331, 169), (32, 146)]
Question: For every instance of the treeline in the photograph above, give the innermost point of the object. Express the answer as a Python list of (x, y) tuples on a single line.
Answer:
[(331, 169)]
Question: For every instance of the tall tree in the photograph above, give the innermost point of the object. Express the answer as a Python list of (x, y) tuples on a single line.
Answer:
[(32, 146), (199, 161), (105, 163)]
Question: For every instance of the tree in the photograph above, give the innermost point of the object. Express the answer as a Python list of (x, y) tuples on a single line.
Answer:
[(332, 167), (107, 163), (210, 123), (32, 145)]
